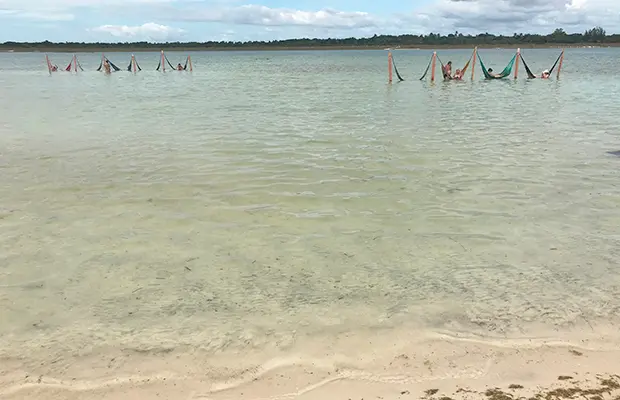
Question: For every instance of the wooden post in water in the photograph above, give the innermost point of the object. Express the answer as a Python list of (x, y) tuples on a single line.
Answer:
[(433, 66), (517, 63), (163, 62), (75, 63), (389, 66), (133, 63), (191, 67), (49, 65), (473, 65), (560, 65)]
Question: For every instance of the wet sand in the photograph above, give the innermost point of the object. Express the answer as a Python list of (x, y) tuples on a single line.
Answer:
[(440, 368)]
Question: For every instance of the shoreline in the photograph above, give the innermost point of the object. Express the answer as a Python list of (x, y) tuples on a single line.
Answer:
[(389, 365), (455, 371), (294, 48)]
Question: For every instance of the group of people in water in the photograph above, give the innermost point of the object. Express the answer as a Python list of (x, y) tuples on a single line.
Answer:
[(458, 74), (447, 72)]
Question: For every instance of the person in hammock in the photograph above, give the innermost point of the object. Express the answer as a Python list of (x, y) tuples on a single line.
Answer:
[(54, 68), (545, 74), (179, 67), (458, 75), (490, 71), (447, 70), (106, 67)]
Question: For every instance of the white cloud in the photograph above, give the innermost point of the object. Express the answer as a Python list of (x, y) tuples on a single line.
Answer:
[(439, 16), (536, 16), (253, 14), (150, 31), (50, 16), (444, 16), (65, 4)]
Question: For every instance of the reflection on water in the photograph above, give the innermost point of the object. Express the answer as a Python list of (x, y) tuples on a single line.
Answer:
[(267, 196)]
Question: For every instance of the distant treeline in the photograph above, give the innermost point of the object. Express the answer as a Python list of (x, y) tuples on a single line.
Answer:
[(595, 36)]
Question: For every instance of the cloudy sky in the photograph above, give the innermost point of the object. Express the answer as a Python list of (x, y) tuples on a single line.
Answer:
[(201, 20)]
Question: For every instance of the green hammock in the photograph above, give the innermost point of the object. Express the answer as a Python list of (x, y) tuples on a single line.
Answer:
[(505, 72)]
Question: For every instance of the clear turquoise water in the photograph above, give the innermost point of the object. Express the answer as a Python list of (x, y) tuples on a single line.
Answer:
[(271, 196)]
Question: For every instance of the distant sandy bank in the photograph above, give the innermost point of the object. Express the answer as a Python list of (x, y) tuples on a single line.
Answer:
[(302, 48)]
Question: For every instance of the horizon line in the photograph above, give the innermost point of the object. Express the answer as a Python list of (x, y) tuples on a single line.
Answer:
[(596, 34)]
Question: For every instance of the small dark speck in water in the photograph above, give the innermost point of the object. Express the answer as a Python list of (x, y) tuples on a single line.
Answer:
[(515, 386), (614, 153)]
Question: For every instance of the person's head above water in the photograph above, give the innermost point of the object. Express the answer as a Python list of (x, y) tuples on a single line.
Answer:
[(490, 70)]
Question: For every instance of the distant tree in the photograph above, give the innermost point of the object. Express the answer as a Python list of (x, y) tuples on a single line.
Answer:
[(596, 34), (558, 36)]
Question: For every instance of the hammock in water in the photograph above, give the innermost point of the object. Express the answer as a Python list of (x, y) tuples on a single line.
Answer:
[(77, 63), (443, 68), (530, 75), (184, 68), (114, 67), (505, 72), (427, 68), (400, 78), (131, 64)]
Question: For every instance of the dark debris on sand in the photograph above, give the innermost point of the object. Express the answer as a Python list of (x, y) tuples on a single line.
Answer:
[(608, 388)]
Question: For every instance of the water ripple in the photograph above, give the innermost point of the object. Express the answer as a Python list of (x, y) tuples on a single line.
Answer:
[(303, 194)]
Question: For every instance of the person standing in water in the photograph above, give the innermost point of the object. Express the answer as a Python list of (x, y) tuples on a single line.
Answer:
[(447, 71), (106, 67)]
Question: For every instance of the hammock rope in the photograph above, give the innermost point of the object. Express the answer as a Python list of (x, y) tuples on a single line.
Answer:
[(168, 61), (427, 68), (137, 65), (400, 78)]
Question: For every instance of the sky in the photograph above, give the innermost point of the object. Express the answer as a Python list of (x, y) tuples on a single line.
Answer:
[(238, 20)]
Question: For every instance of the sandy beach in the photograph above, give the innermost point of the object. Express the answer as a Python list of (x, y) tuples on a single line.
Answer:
[(436, 367)]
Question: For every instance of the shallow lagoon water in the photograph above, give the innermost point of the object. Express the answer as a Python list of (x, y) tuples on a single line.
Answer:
[(267, 197)]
